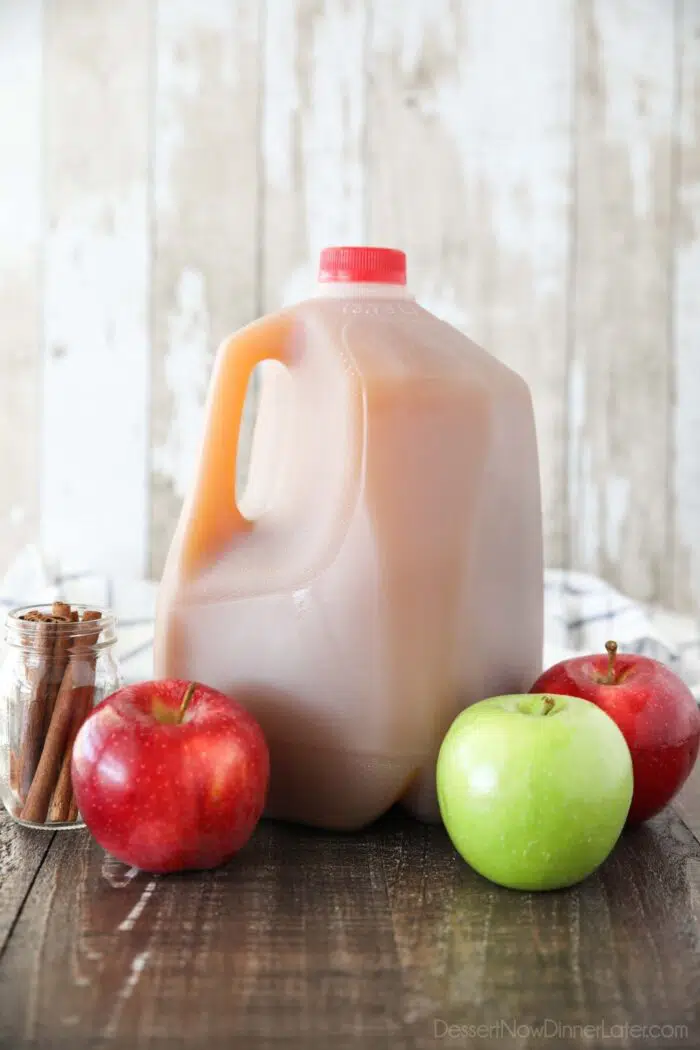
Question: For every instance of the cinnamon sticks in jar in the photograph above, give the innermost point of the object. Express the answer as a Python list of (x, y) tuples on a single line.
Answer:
[(60, 656)]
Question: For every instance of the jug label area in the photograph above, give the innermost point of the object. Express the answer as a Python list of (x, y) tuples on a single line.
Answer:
[(380, 309)]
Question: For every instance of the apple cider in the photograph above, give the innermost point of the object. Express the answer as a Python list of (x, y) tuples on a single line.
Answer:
[(383, 568)]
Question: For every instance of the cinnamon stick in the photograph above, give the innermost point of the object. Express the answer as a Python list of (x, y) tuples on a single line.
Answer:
[(79, 675), (46, 665), (39, 673), (59, 809), (60, 656), (14, 772)]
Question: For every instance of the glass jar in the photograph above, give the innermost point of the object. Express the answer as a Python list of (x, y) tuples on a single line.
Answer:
[(59, 663)]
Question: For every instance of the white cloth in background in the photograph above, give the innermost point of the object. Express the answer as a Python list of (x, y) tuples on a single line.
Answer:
[(32, 580), (581, 613)]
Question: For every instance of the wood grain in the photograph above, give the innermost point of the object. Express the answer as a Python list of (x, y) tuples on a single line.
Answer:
[(96, 346), (205, 281), (379, 939), (470, 173), (687, 803), (170, 170), (608, 952), (620, 377), (21, 856), (20, 270), (313, 133), (684, 561)]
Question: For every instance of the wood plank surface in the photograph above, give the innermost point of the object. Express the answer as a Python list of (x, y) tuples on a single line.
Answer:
[(20, 271), (687, 803), (381, 939), (205, 221), (96, 345), (470, 132), (684, 562), (21, 856), (620, 371)]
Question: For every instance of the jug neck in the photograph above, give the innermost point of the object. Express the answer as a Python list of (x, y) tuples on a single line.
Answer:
[(362, 272), (361, 290)]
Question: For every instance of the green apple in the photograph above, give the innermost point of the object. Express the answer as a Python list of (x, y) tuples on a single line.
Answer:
[(534, 790)]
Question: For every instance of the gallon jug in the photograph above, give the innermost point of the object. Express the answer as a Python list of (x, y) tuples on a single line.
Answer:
[(383, 568)]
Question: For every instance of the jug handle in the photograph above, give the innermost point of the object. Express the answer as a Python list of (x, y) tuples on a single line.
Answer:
[(215, 516)]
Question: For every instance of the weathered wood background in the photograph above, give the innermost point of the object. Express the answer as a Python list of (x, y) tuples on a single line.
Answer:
[(169, 170)]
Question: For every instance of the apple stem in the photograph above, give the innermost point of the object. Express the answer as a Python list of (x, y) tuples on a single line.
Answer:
[(547, 705), (189, 693), (611, 648)]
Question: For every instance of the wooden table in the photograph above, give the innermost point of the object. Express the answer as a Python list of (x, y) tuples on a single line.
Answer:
[(321, 942)]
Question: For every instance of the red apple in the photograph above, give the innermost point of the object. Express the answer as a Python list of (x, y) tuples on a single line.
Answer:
[(655, 710), (170, 775)]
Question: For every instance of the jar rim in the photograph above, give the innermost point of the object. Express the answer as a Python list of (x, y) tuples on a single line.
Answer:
[(19, 631)]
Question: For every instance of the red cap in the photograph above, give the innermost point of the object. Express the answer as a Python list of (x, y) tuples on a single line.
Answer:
[(370, 265)]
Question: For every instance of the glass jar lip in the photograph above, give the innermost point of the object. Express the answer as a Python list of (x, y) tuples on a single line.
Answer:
[(21, 632)]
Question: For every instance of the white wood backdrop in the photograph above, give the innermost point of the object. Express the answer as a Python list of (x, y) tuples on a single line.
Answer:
[(169, 170)]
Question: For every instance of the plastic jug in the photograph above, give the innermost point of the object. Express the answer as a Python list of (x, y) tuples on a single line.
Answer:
[(384, 568)]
